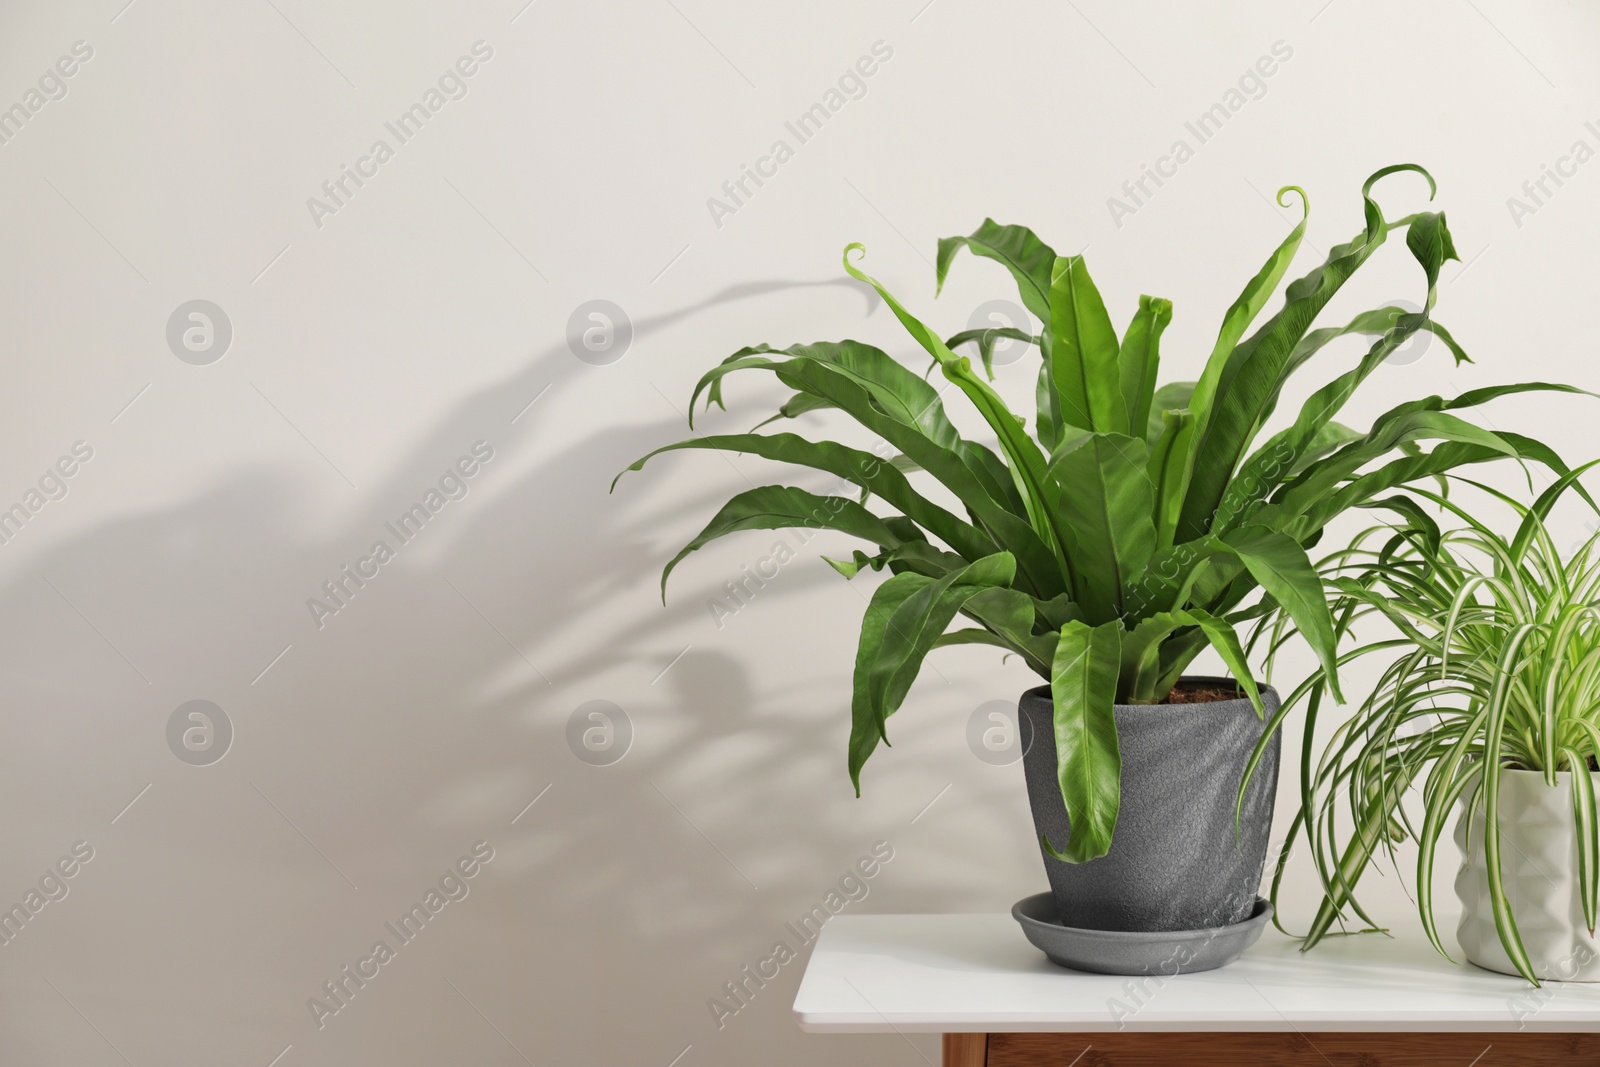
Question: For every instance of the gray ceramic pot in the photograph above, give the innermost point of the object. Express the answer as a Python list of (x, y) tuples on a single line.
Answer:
[(1175, 862)]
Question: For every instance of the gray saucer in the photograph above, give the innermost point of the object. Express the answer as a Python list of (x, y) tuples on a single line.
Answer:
[(1136, 952)]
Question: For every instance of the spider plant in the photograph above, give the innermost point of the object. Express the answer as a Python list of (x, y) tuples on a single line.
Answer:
[(1133, 525), (1495, 668)]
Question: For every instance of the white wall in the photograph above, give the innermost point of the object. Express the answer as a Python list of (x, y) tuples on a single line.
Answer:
[(373, 346)]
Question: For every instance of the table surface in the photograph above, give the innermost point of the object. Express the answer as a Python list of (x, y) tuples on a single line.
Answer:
[(976, 973)]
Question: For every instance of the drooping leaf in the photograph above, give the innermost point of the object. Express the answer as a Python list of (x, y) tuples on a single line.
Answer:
[(919, 621), (1439, 809), (1285, 572), (866, 726), (907, 413), (1340, 885), (862, 468), (1028, 259), (1083, 687), (780, 507), (1474, 397), (1409, 422), (1010, 615), (1307, 516), (1018, 250), (910, 631), (901, 394), (1225, 640)]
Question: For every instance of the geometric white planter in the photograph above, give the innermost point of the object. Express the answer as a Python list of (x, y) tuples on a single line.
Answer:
[(1539, 869)]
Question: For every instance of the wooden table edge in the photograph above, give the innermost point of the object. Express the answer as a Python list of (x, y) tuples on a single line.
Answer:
[(1221, 1048)]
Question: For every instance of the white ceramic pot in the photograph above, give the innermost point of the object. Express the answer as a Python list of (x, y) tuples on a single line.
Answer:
[(1539, 868)]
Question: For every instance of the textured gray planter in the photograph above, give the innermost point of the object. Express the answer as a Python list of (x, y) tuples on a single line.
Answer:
[(1175, 862)]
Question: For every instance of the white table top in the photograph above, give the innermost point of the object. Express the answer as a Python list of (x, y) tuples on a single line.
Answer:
[(976, 973)]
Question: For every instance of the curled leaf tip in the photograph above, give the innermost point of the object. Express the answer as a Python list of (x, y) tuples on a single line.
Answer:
[(1305, 201), (855, 272), (1433, 187)]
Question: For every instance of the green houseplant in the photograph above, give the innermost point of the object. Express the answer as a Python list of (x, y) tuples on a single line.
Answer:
[(1134, 524), (1490, 699)]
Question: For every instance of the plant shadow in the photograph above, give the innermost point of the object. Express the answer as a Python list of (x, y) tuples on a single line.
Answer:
[(429, 712)]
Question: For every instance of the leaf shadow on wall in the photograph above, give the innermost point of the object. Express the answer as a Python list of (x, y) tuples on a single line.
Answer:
[(423, 717)]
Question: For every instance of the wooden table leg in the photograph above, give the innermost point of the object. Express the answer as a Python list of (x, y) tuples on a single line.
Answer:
[(966, 1050)]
